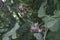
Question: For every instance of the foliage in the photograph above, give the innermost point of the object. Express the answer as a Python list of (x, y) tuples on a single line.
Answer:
[(27, 13)]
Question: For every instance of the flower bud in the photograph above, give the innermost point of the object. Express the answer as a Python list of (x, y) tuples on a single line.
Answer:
[(42, 29), (29, 9)]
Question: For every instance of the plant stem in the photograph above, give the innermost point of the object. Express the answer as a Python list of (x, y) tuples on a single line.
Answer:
[(45, 33)]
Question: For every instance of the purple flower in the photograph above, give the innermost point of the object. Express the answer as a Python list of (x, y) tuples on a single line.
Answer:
[(34, 30)]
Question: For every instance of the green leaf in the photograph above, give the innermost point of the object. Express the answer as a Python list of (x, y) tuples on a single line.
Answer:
[(55, 27), (24, 28), (38, 36), (12, 32), (51, 23), (57, 13), (14, 35), (41, 11), (55, 1), (53, 35)]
